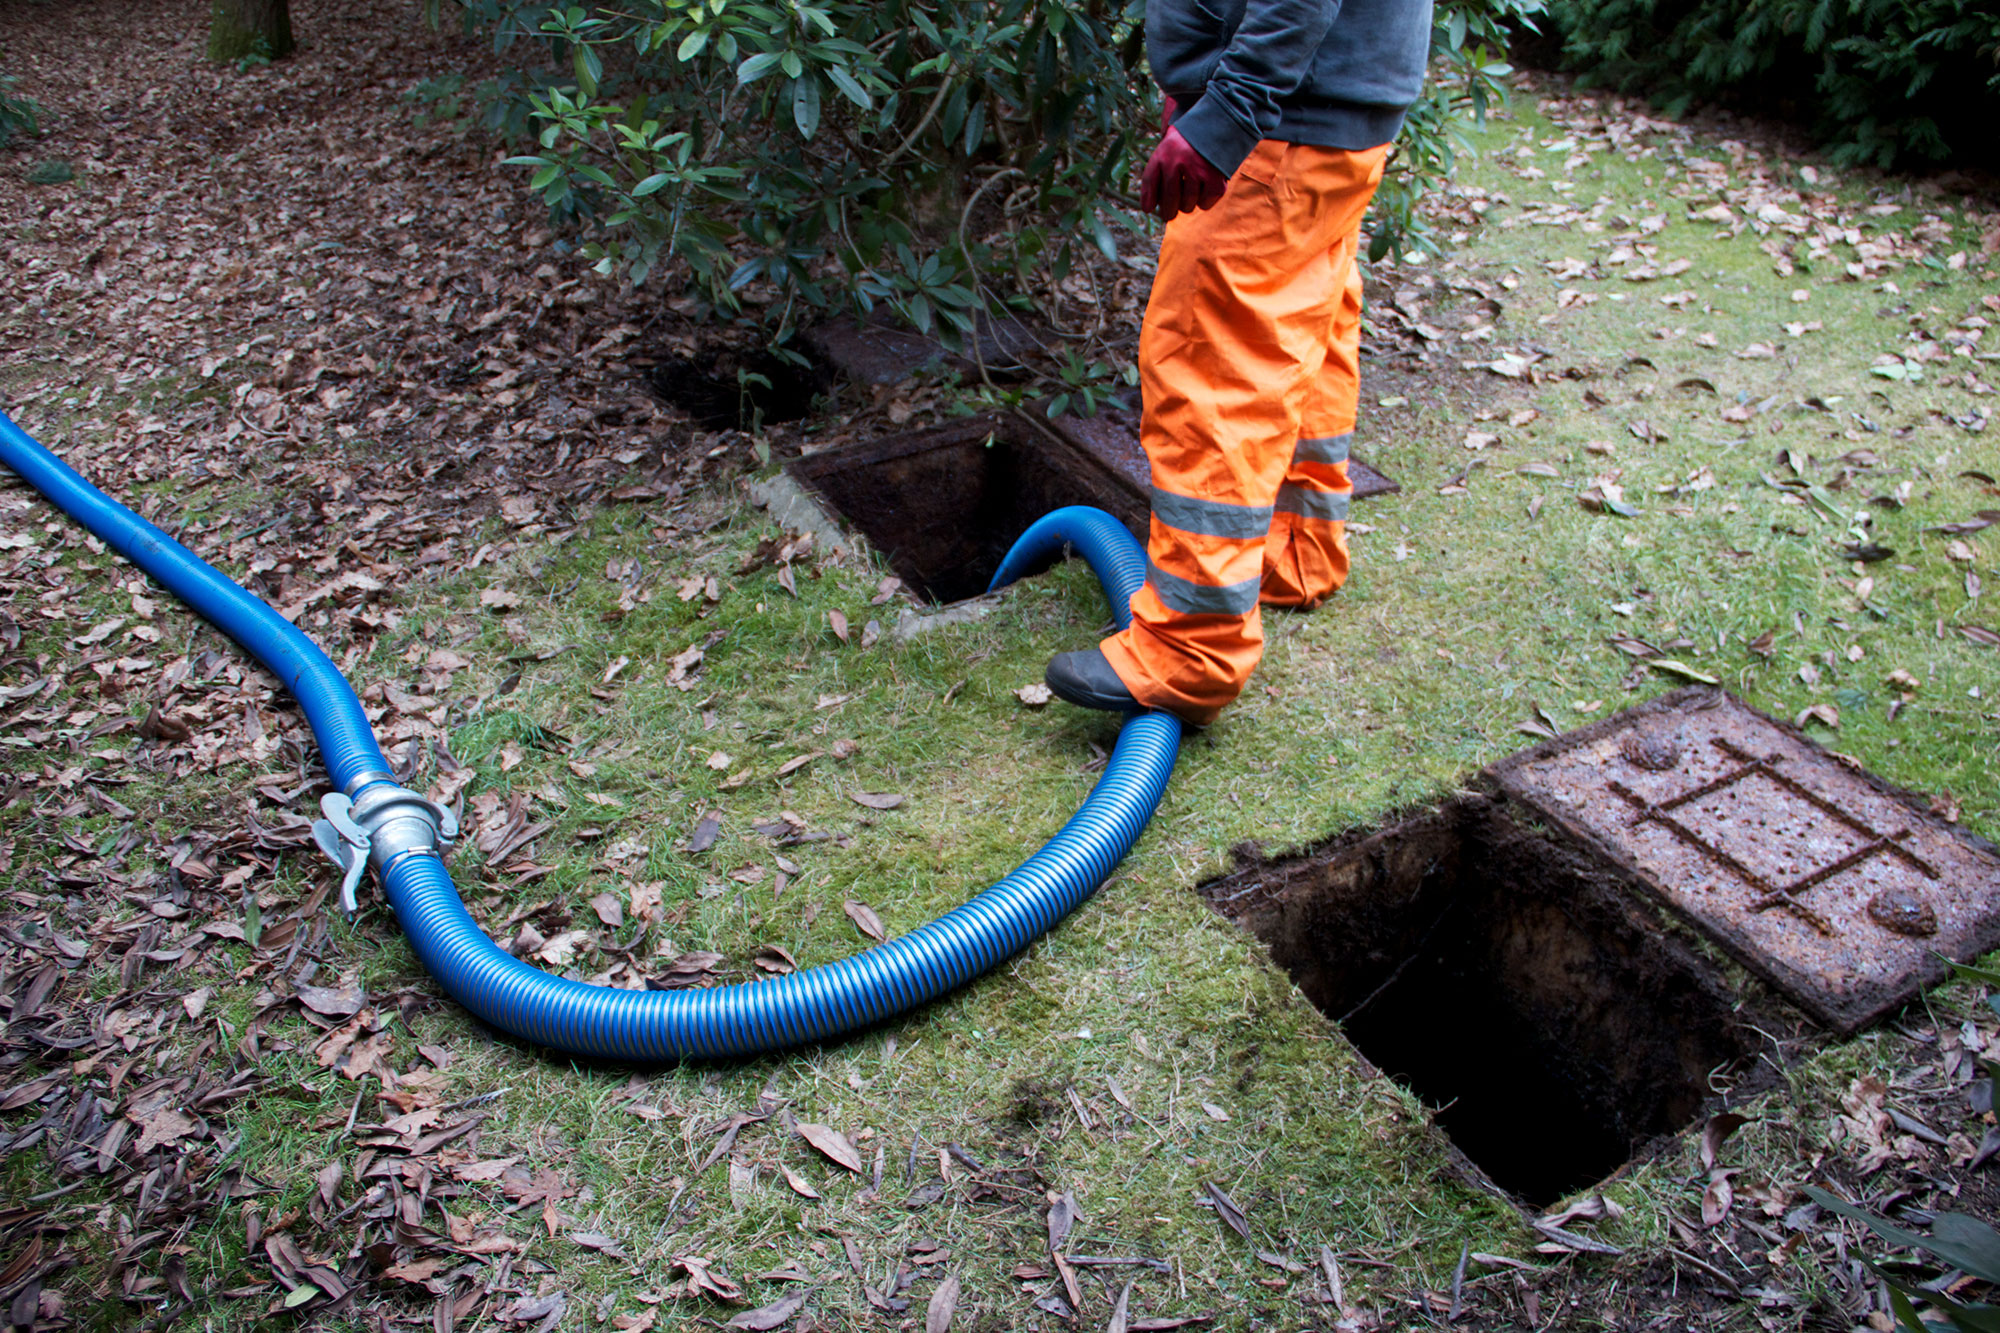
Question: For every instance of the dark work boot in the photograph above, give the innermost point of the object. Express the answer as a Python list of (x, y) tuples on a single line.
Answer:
[(1085, 678)]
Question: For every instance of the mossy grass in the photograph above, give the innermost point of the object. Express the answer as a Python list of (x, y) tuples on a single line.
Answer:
[(1472, 605)]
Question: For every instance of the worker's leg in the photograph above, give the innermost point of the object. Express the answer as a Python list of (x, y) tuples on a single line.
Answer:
[(1237, 328), (1305, 557)]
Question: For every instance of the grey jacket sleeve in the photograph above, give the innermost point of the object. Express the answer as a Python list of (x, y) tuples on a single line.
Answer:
[(1270, 54)]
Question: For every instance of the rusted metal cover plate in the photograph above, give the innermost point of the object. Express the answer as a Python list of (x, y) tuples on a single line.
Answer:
[(1826, 881), (880, 353), (1112, 437), (874, 354)]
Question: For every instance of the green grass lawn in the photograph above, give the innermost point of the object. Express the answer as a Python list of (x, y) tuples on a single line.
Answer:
[(1144, 1052)]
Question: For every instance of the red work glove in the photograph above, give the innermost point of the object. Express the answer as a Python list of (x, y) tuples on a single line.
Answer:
[(1177, 179)]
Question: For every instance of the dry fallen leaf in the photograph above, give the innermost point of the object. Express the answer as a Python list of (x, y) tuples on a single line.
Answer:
[(1716, 1132), (417, 1271), (875, 800), (833, 1144), (776, 959), (1606, 496), (561, 949), (766, 1317), (1063, 1213), (943, 1302), (342, 1003), (1226, 1209), (163, 1126), (1718, 1196), (1678, 668), (864, 916), (797, 762), (701, 1280)]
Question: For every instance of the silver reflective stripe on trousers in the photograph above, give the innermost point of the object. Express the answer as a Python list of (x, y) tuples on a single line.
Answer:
[(1196, 599), (1328, 449), (1328, 505), (1211, 518)]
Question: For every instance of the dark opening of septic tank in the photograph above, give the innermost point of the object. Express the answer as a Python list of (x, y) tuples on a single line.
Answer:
[(1512, 984), (944, 505), (724, 388)]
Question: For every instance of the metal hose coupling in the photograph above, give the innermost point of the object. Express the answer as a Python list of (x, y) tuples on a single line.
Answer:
[(381, 826)]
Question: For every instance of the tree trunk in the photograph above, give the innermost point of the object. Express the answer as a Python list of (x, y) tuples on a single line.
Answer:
[(240, 29)]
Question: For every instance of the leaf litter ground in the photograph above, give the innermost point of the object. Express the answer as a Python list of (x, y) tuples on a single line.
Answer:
[(336, 351)]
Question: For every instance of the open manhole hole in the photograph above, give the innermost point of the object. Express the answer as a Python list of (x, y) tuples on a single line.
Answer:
[(1595, 945), (725, 388), (943, 505)]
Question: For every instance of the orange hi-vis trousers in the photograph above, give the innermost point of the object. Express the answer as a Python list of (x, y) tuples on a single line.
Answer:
[(1249, 361)]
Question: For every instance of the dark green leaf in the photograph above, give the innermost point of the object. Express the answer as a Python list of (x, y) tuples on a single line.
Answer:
[(1958, 1240), (1906, 1314), (1102, 235), (1970, 973), (849, 87), (805, 105), (1967, 1318), (1973, 1245), (756, 67)]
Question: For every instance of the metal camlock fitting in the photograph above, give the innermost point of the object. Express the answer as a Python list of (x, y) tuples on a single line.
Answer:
[(380, 827)]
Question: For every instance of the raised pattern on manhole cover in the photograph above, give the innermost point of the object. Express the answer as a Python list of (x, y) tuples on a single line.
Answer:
[(1815, 876)]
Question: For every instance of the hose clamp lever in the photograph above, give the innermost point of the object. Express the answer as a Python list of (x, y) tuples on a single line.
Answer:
[(345, 844), (387, 824)]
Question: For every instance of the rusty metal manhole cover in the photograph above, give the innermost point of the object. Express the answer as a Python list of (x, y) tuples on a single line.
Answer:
[(1112, 437), (1822, 879)]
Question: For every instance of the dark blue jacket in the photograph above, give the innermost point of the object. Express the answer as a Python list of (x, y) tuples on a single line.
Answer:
[(1338, 73)]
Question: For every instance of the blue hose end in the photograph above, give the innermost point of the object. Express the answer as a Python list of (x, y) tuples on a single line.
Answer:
[(1103, 542)]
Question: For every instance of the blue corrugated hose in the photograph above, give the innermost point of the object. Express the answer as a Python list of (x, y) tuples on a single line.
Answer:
[(666, 1025)]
